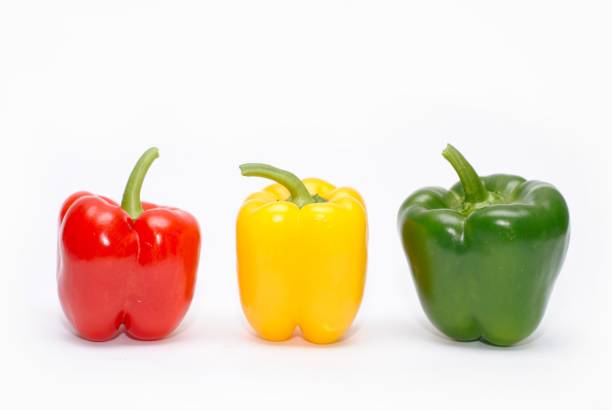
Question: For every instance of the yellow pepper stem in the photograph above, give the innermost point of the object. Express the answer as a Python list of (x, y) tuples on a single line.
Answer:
[(299, 193)]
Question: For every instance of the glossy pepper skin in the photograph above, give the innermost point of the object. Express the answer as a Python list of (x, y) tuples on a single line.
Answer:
[(485, 255), (132, 265), (302, 252)]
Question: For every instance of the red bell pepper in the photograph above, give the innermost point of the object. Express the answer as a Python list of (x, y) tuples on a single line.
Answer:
[(132, 265)]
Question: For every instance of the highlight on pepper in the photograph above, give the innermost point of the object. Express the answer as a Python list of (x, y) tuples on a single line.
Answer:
[(301, 253), (130, 266), (485, 254)]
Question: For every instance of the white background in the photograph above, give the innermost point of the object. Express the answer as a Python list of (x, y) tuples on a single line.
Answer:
[(359, 93)]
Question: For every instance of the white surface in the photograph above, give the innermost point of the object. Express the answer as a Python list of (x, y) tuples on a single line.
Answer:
[(359, 93)]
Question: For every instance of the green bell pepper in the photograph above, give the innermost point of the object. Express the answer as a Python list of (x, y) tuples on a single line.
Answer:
[(485, 255)]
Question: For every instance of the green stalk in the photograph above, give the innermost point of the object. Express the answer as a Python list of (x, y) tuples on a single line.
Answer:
[(131, 195), (299, 193), (473, 188)]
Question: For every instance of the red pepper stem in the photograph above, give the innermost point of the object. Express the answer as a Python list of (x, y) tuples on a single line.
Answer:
[(131, 195), (299, 193), (473, 188)]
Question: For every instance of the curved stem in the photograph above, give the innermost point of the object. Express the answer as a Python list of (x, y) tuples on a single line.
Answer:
[(473, 187), (131, 195), (299, 193)]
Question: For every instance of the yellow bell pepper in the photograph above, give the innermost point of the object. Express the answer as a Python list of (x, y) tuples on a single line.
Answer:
[(302, 253)]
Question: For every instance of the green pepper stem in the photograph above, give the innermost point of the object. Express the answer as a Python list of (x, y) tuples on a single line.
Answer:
[(299, 193), (131, 195), (473, 187)]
